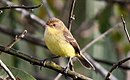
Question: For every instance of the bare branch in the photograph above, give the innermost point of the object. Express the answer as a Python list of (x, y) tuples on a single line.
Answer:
[(111, 64), (116, 66), (117, 1), (28, 37), (7, 70), (125, 28), (18, 6), (17, 38), (26, 13), (71, 15), (101, 36)]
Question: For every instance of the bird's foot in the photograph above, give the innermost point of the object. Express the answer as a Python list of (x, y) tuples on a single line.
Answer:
[(47, 59), (65, 71), (42, 62)]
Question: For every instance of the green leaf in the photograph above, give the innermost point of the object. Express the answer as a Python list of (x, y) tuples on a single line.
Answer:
[(19, 74)]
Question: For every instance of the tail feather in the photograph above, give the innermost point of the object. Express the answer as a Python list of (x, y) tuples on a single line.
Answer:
[(85, 61)]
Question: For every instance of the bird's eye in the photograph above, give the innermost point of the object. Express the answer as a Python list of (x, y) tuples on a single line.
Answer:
[(54, 24)]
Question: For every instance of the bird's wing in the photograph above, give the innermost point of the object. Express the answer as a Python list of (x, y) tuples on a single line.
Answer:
[(69, 38)]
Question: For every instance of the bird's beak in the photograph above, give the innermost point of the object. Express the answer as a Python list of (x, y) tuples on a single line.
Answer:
[(46, 26)]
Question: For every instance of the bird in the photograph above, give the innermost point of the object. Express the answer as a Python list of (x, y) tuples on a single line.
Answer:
[(61, 42)]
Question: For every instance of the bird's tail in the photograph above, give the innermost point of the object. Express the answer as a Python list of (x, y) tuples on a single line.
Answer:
[(85, 61)]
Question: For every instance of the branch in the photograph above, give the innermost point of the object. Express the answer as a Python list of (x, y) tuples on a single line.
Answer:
[(28, 37), (117, 1), (101, 36), (125, 28), (26, 13), (111, 64), (47, 64), (71, 15), (17, 38), (18, 6), (116, 66), (7, 70)]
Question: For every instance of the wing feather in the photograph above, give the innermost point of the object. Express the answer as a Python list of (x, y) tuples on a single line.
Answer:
[(71, 40)]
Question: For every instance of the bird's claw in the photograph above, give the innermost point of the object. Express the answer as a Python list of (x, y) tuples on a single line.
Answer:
[(43, 62)]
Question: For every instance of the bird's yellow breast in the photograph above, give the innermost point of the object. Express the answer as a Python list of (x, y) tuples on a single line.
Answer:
[(57, 43)]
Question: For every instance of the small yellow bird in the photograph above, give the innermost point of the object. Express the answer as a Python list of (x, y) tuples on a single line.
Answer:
[(60, 42)]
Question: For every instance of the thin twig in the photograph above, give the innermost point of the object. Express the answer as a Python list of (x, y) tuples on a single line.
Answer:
[(101, 36), (71, 15), (47, 64), (7, 70), (111, 64), (47, 7), (26, 13), (18, 6), (117, 1), (17, 38), (125, 28), (116, 66), (29, 38)]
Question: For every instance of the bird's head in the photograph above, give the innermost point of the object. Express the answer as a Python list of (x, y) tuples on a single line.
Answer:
[(55, 23)]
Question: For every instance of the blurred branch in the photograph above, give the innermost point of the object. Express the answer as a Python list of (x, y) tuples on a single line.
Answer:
[(125, 28), (26, 13), (111, 64), (18, 6), (47, 64), (101, 36), (7, 70), (28, 37), (116, 1), (17, 38), (71, 15), (116, 66), (47, 7)]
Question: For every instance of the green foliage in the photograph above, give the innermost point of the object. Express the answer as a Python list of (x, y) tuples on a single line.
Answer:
[(18, 74)]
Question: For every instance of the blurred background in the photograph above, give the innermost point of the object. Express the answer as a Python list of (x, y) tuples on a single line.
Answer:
[(92, 18)]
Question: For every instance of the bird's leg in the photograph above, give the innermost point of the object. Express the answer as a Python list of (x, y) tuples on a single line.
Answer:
[(71, 65), (68, 66)]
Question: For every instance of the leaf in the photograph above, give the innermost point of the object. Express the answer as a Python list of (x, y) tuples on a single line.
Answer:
[(19, 74)]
